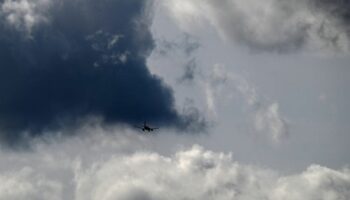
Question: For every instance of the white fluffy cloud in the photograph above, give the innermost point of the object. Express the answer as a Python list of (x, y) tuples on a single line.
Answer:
[(24, 14), (106, 166), (271, 25)]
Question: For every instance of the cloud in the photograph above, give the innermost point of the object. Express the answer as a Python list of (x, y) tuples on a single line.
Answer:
[(265, 113), (192, 114), (181, 48), (273, 25), (269, 119), (190, 71), (185, 44), (124, 166), (27, 184), (24, 15), (87, 60)]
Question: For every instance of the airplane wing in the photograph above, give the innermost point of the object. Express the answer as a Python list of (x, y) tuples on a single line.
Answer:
[(140, 127), (154, 128)]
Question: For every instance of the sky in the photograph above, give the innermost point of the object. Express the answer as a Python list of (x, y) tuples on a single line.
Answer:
[(250, 98)]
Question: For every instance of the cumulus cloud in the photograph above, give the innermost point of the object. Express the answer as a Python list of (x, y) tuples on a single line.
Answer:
[(87, 60), (272, 25), (124, 166), (28, 184), (265, 113)]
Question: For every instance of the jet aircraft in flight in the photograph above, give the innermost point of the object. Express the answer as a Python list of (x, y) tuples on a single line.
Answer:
[(146, 127)]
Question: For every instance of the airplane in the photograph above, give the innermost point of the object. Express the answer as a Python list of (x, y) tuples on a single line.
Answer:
[(145, 127)]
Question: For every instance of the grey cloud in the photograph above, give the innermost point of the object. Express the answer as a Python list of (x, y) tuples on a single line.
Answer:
[(185, 44), (184, 48), (273, 25), (190, 72), (268, 118), (265, 113), (190, 44), (120, 166), (192, 114), (338, 8)]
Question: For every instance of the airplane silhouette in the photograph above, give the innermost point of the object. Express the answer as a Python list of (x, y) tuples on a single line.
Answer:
[(145, 127)]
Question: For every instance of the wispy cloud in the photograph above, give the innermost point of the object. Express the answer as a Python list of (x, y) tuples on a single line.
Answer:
[(265, 113)]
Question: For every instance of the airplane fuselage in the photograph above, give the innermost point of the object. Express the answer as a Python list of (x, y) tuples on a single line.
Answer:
[(146, 128)]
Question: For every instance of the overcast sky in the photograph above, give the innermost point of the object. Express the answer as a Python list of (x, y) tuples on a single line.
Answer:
[(251, 99)]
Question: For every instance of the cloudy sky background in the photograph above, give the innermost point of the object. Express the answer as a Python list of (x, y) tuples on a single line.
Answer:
[(251, 98)]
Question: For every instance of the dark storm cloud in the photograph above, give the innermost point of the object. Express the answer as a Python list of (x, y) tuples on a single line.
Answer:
[(77, 59), (337, 8)]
